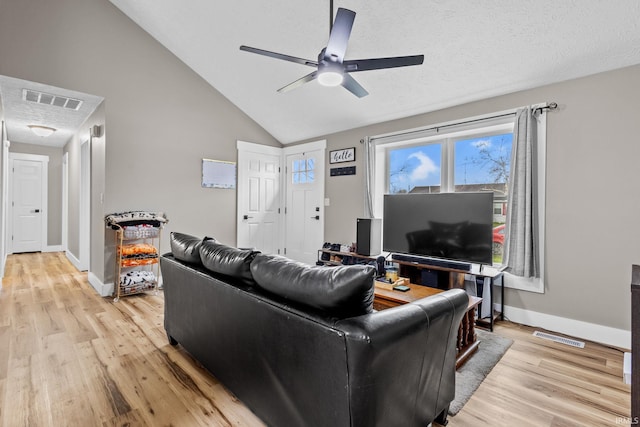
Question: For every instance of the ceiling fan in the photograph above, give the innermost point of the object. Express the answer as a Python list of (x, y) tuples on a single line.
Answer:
[(331, 67)]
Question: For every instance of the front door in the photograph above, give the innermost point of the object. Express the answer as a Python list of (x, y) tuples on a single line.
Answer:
[(259, 198), (304, 219), (27, 205)]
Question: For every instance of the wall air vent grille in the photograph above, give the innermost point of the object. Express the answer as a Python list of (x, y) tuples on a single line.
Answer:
[(561, 340), (49, 99)]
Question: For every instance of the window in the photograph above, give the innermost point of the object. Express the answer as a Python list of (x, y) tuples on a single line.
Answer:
[(460, 169), (474, 159), (303, 171)]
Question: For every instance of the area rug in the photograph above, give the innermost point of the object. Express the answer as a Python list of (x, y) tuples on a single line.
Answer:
[(468, 378)]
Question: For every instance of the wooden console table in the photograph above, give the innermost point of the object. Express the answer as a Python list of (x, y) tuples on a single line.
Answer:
[(467, 342)]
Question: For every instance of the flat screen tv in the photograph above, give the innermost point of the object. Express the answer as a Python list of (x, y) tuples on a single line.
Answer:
[(452, 226)]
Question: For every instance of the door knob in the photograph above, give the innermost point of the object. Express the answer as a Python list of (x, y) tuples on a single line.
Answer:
[(246, 217), (36, 210), (316, 217)]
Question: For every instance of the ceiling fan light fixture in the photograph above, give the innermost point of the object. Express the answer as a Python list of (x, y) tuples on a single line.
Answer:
[(42, 131), (330, 78), (331, 68)]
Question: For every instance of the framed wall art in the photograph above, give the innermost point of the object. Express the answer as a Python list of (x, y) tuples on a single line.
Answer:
[(342, 156), (218, 174)]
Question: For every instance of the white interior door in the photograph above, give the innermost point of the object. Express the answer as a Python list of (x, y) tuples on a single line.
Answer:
[(27, 205), (304, 219), (259, 198)]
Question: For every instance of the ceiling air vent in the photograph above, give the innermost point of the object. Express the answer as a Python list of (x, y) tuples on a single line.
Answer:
[(49, 99)]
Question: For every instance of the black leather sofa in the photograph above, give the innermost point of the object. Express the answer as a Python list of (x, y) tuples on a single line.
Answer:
[(302, 346)]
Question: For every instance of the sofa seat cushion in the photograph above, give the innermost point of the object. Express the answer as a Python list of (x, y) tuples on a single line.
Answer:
[(227, 260), (185, 247), (341, 291)]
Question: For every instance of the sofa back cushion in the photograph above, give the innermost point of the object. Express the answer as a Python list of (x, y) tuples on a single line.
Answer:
[(185, 247), (227, 260), (341, 291)]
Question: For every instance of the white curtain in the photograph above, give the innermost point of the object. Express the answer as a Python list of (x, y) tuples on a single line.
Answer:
[(521, 246), (369, 171)]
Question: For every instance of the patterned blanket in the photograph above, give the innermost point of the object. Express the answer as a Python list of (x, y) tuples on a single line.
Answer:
[(117, 220)]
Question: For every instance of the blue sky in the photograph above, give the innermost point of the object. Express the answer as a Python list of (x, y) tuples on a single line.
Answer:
[(421, 165)]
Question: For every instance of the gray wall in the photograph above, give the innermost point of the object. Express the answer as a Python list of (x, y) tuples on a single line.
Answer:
[(161, 118), (54, 181), (592, 223), (73, 148), (73, 207)]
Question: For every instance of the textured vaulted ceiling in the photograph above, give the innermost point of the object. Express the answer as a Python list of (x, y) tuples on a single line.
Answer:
[(473, 50)]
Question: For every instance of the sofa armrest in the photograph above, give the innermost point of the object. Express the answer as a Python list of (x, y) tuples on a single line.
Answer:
[(401, 361)]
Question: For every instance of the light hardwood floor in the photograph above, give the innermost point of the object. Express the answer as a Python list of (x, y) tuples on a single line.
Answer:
[(71, 358)]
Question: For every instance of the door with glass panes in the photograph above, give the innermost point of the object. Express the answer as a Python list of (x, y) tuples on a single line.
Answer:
[(304, 214)]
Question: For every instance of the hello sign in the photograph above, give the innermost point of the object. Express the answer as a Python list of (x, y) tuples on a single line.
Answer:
[(342, 156)]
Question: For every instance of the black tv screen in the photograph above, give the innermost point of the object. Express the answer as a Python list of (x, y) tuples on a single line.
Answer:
[(455, 226)]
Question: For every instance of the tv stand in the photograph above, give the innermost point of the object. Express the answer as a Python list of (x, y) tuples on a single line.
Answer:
[(435, 273), (445, 274)]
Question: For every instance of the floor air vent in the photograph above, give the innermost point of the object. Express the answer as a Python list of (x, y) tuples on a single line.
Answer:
[(561, 340)]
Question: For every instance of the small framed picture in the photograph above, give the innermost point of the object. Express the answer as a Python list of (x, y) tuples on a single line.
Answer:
[(342, 156), (218, 174)]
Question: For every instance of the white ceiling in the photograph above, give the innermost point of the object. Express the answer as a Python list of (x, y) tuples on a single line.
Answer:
[(18, 113), (473, 50)]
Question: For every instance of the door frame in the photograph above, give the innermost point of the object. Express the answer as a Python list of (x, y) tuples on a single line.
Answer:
[(5, 200), (245, 147), (44, 197), (84, 223), (320, 145), (65, 202)]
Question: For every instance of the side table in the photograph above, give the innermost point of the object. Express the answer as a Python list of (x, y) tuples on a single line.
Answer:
[(467, 342)]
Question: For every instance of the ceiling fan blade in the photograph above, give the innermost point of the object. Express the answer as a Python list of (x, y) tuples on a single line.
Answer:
[(339, 37), (353, 86), (279, 56), (381, 63), (299, 82)]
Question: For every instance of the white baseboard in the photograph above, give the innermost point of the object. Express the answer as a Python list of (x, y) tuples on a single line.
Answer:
[(104, 289), (620, 338), (71, 257), (54, 248)]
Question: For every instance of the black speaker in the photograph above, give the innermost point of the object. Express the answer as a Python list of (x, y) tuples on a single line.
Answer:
[(380, 266), (369, 236)]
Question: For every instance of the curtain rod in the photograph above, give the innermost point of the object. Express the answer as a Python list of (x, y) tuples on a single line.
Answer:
[(541, 109), (550, 106)]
